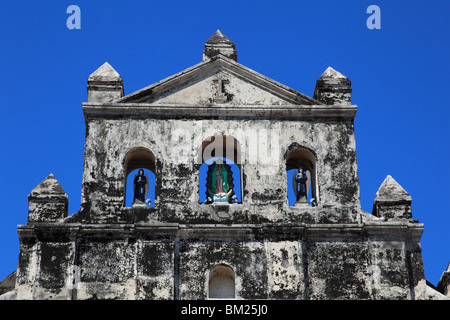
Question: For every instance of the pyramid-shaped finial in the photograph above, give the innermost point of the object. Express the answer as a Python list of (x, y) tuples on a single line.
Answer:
[(333, 87), (218, 43), (390, 189), (219, 37), (105, 73), (48, 202), (49, 187), (330, 73), (392, 201), (105, 85)]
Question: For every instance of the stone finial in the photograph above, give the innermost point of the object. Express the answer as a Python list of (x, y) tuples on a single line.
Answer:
[(333, 87), (47, 202), (444, 283), (219, 43), (390, 189), (105, 85), (392, 201)]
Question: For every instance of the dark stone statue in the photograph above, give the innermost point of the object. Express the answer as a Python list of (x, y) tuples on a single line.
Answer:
[(300, 179), (140, 187)]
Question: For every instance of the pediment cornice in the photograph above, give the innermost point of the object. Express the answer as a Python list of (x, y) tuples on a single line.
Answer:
[(207, 69)]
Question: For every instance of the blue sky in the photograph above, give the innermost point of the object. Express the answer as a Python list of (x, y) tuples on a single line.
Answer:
[(399, 73)]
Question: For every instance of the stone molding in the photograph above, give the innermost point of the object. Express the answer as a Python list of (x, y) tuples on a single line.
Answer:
[(288, 112), (68, 231), (219, 63)]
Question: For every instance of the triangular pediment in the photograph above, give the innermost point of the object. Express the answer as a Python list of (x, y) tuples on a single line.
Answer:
[(218, 81)]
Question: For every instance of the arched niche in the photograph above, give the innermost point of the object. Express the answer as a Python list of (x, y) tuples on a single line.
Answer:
[(136, 159), (221, 282), (296, 158), (220, 154)]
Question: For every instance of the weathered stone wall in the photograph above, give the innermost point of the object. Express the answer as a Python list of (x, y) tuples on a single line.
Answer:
[(338, 269), (176, 145), (270, 261)]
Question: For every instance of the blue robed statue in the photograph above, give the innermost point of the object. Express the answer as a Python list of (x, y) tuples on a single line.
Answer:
[(140, 186), (300, 184)]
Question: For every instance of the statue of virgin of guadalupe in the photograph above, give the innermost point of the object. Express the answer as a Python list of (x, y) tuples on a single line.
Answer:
[(219, 183)]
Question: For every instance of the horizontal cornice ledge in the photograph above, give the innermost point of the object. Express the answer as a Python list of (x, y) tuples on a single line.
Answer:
[(397, 229), (394, 228), (288, 112)]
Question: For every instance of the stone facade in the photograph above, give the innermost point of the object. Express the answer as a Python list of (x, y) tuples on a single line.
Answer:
[(259, 247), (444, 283)]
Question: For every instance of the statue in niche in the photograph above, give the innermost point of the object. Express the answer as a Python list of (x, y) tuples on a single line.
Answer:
[(219, 183), (140, 187), (300, 183)]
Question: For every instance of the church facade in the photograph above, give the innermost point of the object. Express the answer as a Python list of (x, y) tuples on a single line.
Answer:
[(218, 182)]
